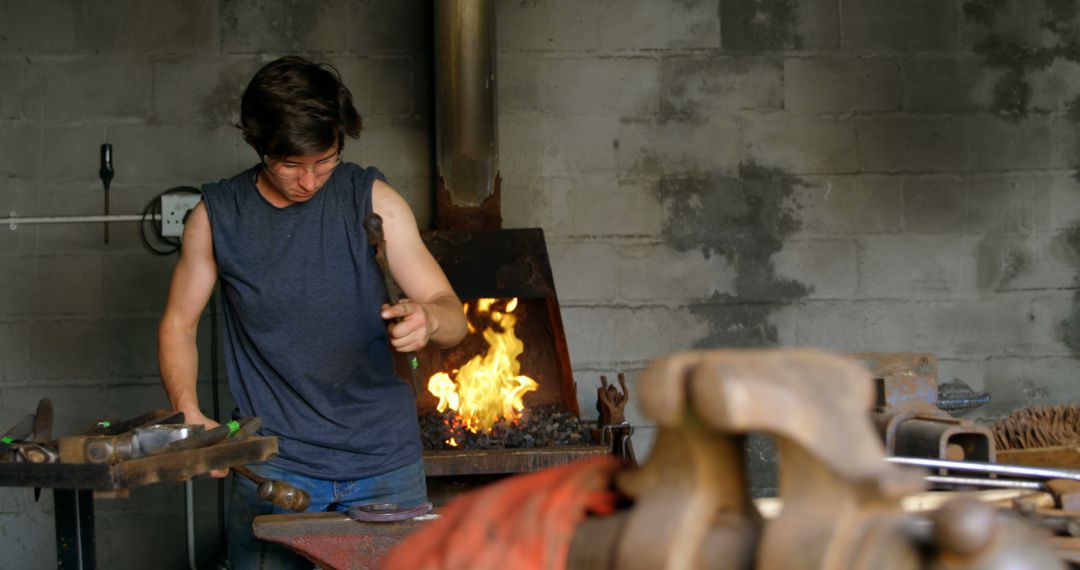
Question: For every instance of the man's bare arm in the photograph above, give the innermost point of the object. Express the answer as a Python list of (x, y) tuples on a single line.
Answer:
[(192, 285), (434, 312)]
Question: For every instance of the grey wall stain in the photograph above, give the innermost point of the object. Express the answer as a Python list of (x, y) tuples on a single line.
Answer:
[(983, 11), (998, 262), (758, 25), (745, 220), (1016, 58)]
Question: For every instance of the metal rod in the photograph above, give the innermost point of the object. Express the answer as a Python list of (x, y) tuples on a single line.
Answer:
[(995, 468), (976, 482), (15, 221)]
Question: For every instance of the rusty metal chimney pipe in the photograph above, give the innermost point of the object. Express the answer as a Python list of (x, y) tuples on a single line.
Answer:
[(466, 137)]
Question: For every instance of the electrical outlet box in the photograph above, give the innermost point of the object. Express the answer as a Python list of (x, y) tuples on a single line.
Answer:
[(174, 208)]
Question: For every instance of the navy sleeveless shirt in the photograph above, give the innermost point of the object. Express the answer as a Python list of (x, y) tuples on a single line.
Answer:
[(305, 348)]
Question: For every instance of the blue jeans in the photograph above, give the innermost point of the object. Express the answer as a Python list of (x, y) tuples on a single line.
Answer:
[(405, 486)]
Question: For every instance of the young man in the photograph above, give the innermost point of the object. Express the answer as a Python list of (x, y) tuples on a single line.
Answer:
[(305, 329)]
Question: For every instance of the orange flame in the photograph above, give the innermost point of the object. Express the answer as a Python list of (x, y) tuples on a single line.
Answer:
[(488, 387)]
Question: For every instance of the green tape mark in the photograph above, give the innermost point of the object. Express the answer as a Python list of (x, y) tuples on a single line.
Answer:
[(104, 424), (6, 440), (233, 426), (414, 362)]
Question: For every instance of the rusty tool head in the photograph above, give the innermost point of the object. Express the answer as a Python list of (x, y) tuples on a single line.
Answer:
[(284, 495)]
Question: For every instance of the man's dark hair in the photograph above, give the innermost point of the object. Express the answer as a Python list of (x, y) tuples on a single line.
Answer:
[(294, 107)]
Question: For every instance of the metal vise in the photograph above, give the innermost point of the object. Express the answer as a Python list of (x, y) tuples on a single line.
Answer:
[(841, 499)]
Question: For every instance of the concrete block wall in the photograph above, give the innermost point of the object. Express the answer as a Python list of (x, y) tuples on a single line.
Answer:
[(849, 174), (161, 82), (854, 175)]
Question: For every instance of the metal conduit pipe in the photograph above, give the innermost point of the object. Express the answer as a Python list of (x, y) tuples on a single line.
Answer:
[(13, 221)]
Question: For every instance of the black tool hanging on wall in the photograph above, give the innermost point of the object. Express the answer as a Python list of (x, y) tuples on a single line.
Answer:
[(106, 174)]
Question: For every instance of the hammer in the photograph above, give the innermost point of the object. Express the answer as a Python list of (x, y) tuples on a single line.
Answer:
[(279, 493), (373, 226)]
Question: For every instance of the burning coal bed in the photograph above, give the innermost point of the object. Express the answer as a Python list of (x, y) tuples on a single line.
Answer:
[(542, 426)]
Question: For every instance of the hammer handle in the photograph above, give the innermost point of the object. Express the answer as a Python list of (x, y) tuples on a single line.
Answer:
[(279, 493), (373, 226)]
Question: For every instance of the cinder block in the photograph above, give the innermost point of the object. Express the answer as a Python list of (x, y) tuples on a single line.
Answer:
[(1062, 204), (66, 285), (590, 333), (657, 273), (91, 89), (162, 155), (669, 329), (799, 145), (19, 151), (209, 97), (131, 346), (381, 86), (538, 203), (15, 102), (842, 205), (585, 271), (1046, 311), (132, 26), (852, 326), (375, 26), (916, 267), (1042, 261), (14, 352), (884, 26), (842, 84), (20, 286), (829, 268), (1018, 19), (1019, 381), (1004, 203), (1031, 143), (602, 206), (400, 147), (69, 349), (651, 149), (943, 84), (698, 87), (818, 25), (738, 323), (72, 153), (135, 282), (1054, 87), (913, 144), (578, 86), (565, 25), (936, 204), (534, 145), (248, 26), (43, 30), (999, 324)]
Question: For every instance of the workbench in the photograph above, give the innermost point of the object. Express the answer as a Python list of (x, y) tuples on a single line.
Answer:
[(74, 485)]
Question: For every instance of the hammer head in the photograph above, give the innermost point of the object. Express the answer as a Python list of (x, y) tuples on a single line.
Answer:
[(373, 226)]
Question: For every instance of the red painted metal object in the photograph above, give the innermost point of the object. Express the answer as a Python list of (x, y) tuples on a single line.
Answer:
[(333, 541)]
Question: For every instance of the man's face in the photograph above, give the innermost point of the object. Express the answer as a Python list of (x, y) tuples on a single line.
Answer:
[(297, 178)]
